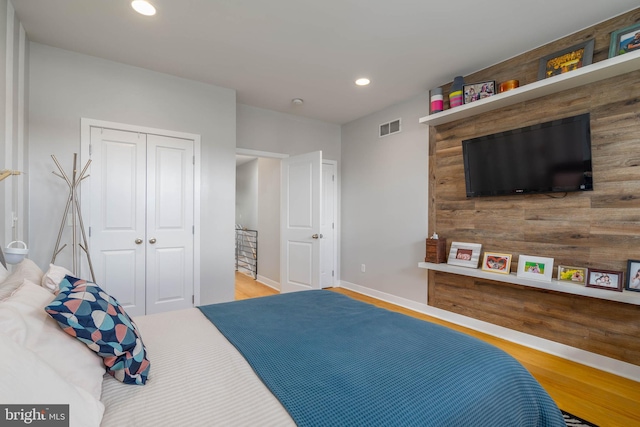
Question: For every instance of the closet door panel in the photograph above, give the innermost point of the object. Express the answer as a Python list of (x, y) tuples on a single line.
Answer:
[(171, 269), (170, 221), (118, 273), (117, 194)]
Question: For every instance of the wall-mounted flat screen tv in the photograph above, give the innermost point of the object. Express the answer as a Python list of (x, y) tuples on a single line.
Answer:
[(543, 158)]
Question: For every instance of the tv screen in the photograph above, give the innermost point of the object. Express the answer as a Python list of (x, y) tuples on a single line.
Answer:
[(548, 157)]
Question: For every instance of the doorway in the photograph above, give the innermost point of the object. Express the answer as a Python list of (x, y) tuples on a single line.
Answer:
[(258, 195)]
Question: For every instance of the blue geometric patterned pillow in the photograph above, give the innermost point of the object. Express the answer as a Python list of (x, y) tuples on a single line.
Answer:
[(86, 312)]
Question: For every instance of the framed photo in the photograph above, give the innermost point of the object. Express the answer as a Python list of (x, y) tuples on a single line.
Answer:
[(566, 60), (573, 274), (633, 275), (496, 263), (605, 279), (534, 267), (625, 40), (477, 91), (464, 254)]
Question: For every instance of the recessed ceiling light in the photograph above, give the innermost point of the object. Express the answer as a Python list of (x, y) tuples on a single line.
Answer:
[(297, 101), (143, 7), (363, 81)]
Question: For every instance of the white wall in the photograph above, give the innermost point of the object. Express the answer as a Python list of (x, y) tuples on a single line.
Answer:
[(13, 128), (66, 86), (247, 195), (384, 201), (6, 147), (271, 131), (269, 220)]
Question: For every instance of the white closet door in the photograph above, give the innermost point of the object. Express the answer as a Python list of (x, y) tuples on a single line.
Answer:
[(117, 198), (170, 221)]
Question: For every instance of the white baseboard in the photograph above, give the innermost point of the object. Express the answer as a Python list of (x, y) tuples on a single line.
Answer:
[(268, 282), (597, 361)]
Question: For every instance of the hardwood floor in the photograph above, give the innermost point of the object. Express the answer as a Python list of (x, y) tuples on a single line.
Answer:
[(247, 287), (599, 397)]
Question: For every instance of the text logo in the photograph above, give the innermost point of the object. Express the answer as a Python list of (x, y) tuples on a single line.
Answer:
[(34, 415)]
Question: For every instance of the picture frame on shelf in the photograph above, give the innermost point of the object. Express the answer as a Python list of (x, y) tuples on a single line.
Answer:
[(535, 268), (494, 262), (633, 275), (605, 279), (477, 91), (464, 254), (577, 275), (569, 59), (625, 40)]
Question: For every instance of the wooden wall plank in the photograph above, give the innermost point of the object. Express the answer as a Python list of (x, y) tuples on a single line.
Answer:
[(597, 229)]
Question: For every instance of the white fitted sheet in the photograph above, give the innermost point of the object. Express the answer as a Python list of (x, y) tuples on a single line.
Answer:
[(197, 378)]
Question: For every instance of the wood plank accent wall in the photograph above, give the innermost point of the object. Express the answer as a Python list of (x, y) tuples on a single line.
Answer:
[(598, 229)]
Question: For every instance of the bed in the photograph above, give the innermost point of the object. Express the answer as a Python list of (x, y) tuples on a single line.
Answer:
[(309, 358)]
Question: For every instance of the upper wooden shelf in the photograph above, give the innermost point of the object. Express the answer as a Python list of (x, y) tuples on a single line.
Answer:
[(611, 67), (628, 297)]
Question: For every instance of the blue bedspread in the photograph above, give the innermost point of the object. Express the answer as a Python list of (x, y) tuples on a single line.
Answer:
[(335, 361)]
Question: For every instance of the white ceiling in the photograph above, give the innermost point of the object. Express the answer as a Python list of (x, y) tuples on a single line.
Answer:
[(273, 51)]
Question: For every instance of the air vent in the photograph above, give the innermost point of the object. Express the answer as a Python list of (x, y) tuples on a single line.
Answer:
[(390, 128)]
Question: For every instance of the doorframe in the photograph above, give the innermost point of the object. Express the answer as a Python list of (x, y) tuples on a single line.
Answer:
[(267, 281), (257, 153), (85, 139), (336, 230)]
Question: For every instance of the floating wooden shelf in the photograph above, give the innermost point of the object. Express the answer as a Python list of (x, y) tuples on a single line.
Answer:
[(628, 297), (611, 67)]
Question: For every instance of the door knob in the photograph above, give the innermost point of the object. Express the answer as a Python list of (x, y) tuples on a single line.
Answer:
[(152, 241), (316, 236), (138, 241)]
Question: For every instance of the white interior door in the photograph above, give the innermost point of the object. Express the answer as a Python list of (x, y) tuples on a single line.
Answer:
[(300, 222), (170, 233), (327, 226), (117, 212)]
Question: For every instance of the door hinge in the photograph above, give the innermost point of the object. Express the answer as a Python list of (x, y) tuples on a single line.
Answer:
[(90, 149), (193, 299), (333, 225), (89, 231), (332, 273), (333, 178), (193, 229), (194, 160)]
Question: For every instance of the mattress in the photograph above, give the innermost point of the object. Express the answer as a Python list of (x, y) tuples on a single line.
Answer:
[(258, 362), (197, 379)]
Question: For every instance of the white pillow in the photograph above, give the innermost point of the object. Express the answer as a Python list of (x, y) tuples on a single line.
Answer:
[(3, 273), (26, 269), (23, 319), (26, 379), (52, 278)]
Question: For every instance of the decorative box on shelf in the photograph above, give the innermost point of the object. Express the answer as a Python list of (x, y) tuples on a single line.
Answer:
[(436, 250)]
